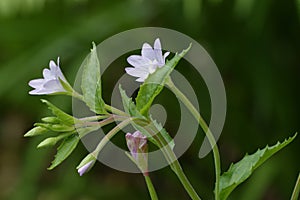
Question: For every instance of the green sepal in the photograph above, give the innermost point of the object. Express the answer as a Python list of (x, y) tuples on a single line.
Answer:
[(155, 82), (56, 127), (64, 150), (51, 141), (61, 115), (36, 131), (91, 83), (240, 171), (90, 157), (51, 120), (66, 86), (48, 142)]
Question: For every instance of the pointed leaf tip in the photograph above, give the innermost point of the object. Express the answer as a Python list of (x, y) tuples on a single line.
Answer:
[(91, 83), (64, 150), (36, 131), (240, 171)]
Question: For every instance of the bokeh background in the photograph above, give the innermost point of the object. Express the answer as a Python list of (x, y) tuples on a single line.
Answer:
[(255, 44)]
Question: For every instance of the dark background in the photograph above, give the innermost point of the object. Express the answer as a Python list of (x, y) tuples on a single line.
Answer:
[(255, 44)]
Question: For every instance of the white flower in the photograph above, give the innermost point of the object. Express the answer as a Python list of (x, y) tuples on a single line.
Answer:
[(50, 83), (146, 64)]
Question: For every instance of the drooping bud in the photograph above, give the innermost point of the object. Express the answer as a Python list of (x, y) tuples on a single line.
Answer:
[(137, 145), (86, 164)]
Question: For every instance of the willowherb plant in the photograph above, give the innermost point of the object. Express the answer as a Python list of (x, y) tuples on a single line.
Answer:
[(153, 72)]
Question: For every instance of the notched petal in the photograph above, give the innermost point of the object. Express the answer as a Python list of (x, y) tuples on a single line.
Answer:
[(36, 83)]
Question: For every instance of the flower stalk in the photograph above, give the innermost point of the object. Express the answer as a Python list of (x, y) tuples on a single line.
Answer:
[(110, 135), (150, 187), (296, 190), (138, 147), (206, 130), (172, 160)]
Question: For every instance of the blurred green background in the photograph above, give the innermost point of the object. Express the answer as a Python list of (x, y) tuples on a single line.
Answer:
[(255, 44)]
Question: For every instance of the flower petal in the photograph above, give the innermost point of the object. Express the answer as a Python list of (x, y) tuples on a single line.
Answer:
[(158, 52), (138, 61), (52, 65), (157, 44), (141, 79), (82, 170), (47, 74), (148, 52), (35, 92), (36, 83), (60, 74), (54, 86), (136, 72), (166, 55), (146, 64)]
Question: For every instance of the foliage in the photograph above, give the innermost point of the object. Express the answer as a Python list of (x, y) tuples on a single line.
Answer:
[(259, 66)]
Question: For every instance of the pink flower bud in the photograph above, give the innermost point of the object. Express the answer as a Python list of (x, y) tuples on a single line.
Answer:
[(137, 145)]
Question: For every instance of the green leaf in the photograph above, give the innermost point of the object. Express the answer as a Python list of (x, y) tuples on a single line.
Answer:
[(91, 83), (129, 105), (61, 115), (131, 109), (64, 150), (36, 131), (241, 170), (155, 82)]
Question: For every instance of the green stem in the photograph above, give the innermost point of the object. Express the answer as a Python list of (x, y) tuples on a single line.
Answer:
[(151, 188), (205, 128), (109, 135), (184, 180), (93, 118), (76, 95), (115, 110), (295, 194), (174, 163)]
